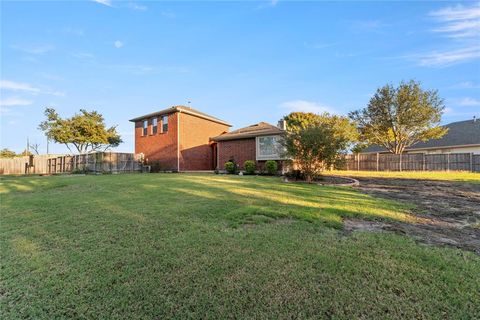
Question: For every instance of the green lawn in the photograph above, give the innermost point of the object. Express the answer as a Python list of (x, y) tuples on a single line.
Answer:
[(459, 176), (155, 246)]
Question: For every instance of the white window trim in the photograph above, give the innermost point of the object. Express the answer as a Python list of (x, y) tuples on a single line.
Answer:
[(257, 150), (152, 133)]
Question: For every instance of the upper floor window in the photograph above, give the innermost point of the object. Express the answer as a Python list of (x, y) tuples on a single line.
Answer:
[(164, 123), (145, 127), (154, 126), (269, 148)]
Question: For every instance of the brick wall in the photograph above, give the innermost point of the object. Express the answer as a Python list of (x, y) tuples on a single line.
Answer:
[(240, 150), (161, 147), (196, 151)]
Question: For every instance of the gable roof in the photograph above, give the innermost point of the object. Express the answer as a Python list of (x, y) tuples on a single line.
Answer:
[(255, 130), (461, 133), (182, 109)]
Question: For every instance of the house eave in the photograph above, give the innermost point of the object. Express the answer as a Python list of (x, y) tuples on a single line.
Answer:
[(245, 136), (182, 110)]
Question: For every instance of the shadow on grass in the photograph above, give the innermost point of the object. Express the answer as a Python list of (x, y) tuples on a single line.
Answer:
[(231, 199)]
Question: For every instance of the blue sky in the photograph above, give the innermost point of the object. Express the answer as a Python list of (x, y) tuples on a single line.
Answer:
[(243, 62)]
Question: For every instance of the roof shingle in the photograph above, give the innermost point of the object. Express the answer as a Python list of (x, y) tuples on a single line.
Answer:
[(183, 109), (255, 130), (459, 133)]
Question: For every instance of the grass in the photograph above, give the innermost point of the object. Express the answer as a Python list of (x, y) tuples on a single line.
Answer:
[(157, 246), (458, 176)]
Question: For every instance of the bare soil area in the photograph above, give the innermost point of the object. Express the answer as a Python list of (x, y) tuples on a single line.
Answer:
[(446, 213)]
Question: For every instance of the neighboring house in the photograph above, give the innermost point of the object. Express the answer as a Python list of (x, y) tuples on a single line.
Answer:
[(462, 137), (178, 138), (258, 142)]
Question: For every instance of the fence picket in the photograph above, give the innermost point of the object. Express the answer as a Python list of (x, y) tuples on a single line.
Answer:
[(413, 162)]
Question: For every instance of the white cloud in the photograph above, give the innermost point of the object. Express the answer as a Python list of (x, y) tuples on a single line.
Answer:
[(268, 4), (137, 7), (33, 49), (468, 102), (74, 31), (118, 44), (461, 24), (139, 69), (466, 85), (305, 106), (83, 55), (458, 21), (448, 57), (319, 45), (104, 2), (168, 14), (14, 101), (19, 86)]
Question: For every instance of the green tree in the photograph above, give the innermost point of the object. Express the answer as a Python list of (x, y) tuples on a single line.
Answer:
[(400, 117), (85, 131), (7, 153), (316, 142), (342, 127), (24, 153)]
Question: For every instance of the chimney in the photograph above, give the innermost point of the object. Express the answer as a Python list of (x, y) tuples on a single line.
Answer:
[(282, 124)]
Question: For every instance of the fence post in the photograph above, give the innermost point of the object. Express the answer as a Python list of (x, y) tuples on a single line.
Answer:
[(358, 161), (423, 164), (378, 156), (400, 164), (448, 162)]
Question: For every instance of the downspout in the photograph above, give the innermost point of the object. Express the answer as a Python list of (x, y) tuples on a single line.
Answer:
[(178, 140), (218, 156)]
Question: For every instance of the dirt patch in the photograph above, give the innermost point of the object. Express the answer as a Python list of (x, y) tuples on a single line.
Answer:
[(448, 213)]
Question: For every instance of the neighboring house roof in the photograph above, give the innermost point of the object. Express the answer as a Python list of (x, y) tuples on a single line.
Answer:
[(182, 109), (461, 133), (255, 130)]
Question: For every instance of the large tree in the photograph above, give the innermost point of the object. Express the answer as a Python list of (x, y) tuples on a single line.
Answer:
[(399, 117), (86, 131), (7, 153), (315, 142), (341, 126)]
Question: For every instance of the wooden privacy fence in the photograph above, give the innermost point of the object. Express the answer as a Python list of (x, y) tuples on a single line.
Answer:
[(98, 162), (413, 162), (26, 165)]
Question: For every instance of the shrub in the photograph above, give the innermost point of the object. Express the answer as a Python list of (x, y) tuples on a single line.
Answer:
[(271, 166), (156, 166), (230, 167), (295, 174), (249, 166)]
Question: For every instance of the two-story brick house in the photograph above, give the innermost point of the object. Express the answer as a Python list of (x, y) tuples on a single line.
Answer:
[(184, 139), (178, 138)]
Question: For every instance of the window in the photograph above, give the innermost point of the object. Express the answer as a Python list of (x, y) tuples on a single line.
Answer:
[(145, 127), (164, 123), (154, 125), (269, 148)]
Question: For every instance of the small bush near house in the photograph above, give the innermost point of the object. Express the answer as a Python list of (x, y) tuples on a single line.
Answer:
[(249, 166), (295, 174), (230, 167), (156, 167), (271, 166)]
